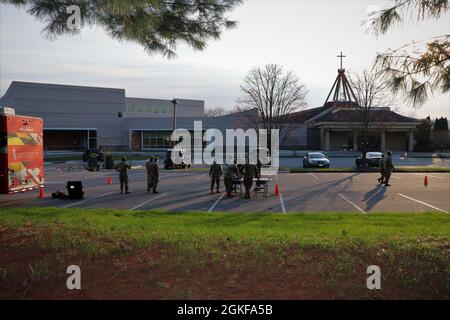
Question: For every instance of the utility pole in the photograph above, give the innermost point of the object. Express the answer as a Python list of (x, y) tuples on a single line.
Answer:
[(175, 102)]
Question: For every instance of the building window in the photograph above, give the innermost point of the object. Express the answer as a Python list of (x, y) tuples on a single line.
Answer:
[(161, 140), (156, 139)]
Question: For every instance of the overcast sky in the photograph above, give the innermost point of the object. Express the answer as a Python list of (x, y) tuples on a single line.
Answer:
[(303, 36)]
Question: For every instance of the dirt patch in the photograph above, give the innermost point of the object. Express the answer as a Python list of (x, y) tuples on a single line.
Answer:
[(32, 269)]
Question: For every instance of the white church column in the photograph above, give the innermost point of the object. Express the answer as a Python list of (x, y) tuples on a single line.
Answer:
[(322, 140), (383, 141), (327, 140), (355, 141), (411, 142)]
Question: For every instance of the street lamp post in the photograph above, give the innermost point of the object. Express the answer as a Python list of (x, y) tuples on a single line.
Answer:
[(175, 102)]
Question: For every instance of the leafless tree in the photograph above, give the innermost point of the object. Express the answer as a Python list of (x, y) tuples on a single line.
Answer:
[(371, 91), (215, 112), (275, 93)]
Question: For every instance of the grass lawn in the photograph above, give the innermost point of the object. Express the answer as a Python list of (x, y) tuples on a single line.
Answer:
[(222, 255)]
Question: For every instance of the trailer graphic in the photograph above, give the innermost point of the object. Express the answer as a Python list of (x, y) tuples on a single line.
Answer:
[(21, 153)]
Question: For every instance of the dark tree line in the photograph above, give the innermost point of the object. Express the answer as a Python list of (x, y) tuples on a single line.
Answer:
[(440, 124)]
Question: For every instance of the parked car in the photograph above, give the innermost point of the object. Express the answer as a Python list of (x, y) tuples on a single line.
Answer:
[(372, 160), (99, 152), (169, 164), (315, 159)]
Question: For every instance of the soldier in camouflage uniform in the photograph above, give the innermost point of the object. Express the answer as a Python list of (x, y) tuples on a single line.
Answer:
[(230, 173), (388, 167), (122, 168), (215, 172), (382, 169), (149, 174), (152, 175), (250, 172)]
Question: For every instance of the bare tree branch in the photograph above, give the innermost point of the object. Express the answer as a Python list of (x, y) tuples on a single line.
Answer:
[(414, 72), (371, 91), (275, 93)]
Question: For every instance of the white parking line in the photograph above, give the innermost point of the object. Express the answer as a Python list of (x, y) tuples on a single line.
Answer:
[(313, 175), (216, 203), (351, 203), (85, 200), (395, 177), (283, 208), (201, 176), (149, 200), (424, 203)]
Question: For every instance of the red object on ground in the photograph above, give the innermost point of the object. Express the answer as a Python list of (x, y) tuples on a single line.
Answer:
[(425, 181), (109, 180), (41, 192), (277, 191), (21, 153)]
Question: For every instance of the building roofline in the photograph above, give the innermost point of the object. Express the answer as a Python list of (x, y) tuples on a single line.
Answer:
[(54, 85)]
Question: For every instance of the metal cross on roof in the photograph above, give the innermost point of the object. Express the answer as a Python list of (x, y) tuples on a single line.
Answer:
[(342, 89), (341, 56)]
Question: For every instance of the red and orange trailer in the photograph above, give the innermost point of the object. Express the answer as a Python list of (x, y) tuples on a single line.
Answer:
[(21, 152)]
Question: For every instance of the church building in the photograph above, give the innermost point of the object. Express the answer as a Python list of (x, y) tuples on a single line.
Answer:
[(341, 123)]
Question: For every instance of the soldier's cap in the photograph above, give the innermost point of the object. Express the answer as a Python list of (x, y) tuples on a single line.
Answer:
[(124, 159)]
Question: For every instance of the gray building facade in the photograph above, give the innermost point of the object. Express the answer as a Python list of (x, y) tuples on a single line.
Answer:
[(79, 117)]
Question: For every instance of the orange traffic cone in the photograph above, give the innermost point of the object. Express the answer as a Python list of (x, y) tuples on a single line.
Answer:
[(109, 180), (41, 192), (425, 181), (277, 191)]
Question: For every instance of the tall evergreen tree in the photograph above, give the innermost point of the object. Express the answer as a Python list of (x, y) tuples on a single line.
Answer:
[(422, 133), (157, 25), (422, 67)]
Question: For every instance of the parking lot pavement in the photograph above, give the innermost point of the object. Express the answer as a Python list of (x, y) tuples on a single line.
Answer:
[(360, 192), (184, 190), (350, 162)]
